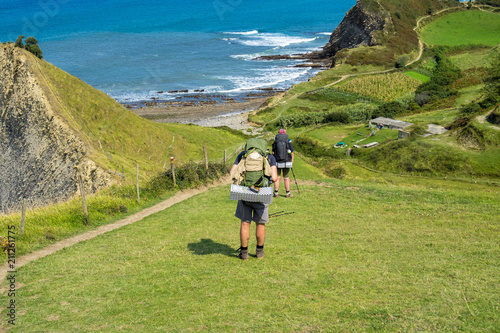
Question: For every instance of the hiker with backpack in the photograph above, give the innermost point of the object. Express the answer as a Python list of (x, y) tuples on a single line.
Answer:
[(254, 169), (283, 153)]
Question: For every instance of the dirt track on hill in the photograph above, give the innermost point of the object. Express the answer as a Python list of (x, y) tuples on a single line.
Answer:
[(180, 196)]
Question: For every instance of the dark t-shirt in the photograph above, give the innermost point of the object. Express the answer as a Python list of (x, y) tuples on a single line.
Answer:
[(270, 159)]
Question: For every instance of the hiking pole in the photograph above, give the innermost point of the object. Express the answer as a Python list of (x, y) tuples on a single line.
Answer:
[(278, 215), (293, 173)]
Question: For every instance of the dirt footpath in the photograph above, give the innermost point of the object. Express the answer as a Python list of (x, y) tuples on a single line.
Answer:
[(180, 196)]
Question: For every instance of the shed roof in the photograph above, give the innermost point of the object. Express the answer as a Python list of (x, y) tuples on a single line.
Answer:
[(390, 122)]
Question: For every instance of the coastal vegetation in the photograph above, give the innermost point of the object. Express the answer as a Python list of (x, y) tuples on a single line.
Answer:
[(31, 45), (409, 241)]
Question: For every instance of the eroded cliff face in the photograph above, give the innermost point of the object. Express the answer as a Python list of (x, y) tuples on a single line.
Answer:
[(360, 26), (40, 156)]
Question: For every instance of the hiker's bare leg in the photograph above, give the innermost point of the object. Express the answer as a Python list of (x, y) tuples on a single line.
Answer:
[(260, 233), (287, 183), (277, 184), (244, 233)]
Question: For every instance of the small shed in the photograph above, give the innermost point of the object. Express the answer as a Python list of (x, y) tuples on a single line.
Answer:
[(369, 145), (389, 123)]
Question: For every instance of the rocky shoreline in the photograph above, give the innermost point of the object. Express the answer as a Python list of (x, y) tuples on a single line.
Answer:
[(209, 110)]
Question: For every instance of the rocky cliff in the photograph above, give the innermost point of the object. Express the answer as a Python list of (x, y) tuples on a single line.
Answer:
[(40, 155), (360, 26), (389, 24)]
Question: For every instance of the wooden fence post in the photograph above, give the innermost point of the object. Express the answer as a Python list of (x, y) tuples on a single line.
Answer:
[(172, 168), (206, 157), (137, 185), (23, 215), (84, 202), (224, 157)]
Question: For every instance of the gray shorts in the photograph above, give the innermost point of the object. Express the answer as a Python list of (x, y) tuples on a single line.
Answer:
[(252, 211)]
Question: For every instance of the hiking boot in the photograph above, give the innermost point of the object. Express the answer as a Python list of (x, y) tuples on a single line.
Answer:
[(243, 254), (259, 253), (289, 195), (276, 194)]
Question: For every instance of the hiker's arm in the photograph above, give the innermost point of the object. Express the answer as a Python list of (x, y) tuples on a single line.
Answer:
[(274, 173), (292, 157), (233, 168)]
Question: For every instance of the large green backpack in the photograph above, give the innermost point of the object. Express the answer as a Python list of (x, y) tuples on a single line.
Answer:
[(255, 163)]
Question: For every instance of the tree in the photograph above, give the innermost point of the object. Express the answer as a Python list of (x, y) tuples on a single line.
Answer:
[(19, 42), (32, 46)]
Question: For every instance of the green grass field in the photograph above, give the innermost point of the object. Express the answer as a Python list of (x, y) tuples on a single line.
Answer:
[(378, 251), (462, 28), (354, 257)]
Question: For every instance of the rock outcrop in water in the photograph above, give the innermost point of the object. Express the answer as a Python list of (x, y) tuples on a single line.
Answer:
[(40, 155)]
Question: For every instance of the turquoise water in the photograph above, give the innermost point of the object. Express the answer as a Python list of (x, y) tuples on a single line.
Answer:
[(133, 49)]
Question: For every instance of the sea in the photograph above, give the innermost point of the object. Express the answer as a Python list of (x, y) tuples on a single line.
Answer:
[(137, 50)]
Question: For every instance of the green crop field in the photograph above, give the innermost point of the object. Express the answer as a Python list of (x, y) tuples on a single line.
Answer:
[(385, 87), (354, 257), (418, 76), (462, 28)]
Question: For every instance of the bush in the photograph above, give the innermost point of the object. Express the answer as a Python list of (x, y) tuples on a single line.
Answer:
[(401, 62), (442, 77), (347, 114), (494, 117), (189, 175), (472, 136), (314, 148), (32, 46), (469, 109), (389, 110), (492, 87), (459, 122)]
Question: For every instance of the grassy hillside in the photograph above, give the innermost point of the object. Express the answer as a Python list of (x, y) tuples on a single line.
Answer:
[(116, 137), (468, 27), (354, 257), (337, 104)]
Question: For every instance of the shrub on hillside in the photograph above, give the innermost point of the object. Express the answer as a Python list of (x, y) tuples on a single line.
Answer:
[(401, 62), (389, 110), (345, 115), (494, 3), (313, 148), (31, 45), (494, 117), (442, 77), (459, 122), (470, 109), (492, 85), (187, 176), (472, 136), (413, 156)]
